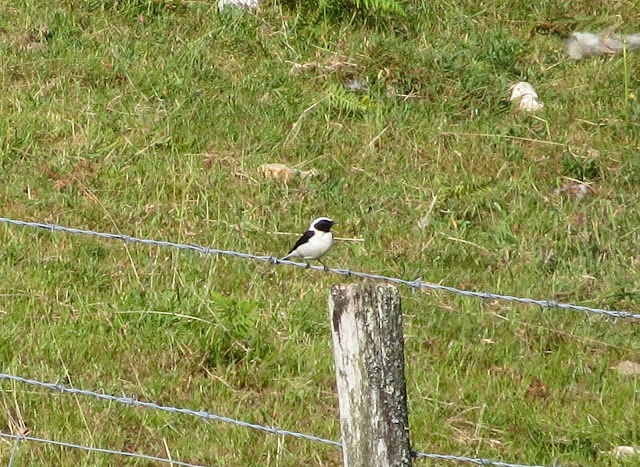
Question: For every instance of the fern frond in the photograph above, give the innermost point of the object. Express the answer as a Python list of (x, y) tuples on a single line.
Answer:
[(342, 101)]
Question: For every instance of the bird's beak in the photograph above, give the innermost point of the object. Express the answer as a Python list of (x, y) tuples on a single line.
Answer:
[(334, 223)]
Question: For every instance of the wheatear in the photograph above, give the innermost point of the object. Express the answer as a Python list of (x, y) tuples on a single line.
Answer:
[(315, 242)]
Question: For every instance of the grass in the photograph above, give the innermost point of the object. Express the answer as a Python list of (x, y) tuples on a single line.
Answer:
[(152, 118)]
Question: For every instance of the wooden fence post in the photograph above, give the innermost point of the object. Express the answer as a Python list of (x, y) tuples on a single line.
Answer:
[(368, 348)]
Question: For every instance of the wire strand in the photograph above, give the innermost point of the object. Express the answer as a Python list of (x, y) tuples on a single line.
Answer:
[(417, 283), (19, 438), (132, 401), (204, 415)]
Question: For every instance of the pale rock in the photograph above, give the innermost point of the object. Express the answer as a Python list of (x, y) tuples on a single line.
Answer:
[(526, 97)]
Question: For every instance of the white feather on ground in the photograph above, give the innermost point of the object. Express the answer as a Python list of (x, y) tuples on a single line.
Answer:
[(583, 44)]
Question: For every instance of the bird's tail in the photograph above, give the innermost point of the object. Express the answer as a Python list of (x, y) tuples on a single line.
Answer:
[(289, 255)]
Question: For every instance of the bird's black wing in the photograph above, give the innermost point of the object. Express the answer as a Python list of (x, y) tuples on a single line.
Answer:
[(302, 240)]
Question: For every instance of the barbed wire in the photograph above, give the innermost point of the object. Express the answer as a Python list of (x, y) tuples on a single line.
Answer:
[(417, 283), (472, 460), (205, 415), (19, 438), (131, 401)]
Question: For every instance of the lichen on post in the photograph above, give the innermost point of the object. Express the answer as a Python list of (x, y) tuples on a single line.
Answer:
[(368, 347)]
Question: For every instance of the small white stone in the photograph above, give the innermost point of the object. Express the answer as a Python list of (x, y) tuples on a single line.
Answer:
[(526, 96), (521, 89)]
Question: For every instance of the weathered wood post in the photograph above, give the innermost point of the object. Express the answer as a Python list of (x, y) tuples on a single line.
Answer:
[(368, 348)]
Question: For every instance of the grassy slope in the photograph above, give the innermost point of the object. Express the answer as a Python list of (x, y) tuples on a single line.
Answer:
[(158, 130)]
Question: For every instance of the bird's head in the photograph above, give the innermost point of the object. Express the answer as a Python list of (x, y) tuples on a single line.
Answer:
[(322, 224)]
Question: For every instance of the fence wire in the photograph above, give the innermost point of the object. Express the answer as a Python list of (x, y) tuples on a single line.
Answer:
[(472, 460), (207, 416), (417, 283), (132, 401), (19, 438)]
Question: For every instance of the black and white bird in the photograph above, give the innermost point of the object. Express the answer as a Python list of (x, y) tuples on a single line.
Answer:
[(315, 242)]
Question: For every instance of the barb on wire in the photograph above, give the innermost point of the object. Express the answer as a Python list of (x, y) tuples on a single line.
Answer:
[(208, 416), (418, 283), (19, 438), (472, 460)]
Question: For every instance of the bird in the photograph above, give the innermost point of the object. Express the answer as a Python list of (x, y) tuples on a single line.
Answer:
[(315, 242)]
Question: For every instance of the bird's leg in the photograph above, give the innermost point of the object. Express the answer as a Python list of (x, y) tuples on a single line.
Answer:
[(326, 269), (308, 264)]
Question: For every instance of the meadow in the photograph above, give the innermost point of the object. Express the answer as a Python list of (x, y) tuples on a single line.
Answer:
[(153, 117)]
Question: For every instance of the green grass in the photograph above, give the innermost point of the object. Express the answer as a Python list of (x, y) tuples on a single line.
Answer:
[(158, 129)]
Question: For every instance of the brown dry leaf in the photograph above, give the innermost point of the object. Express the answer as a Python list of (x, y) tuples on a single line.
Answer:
[(536, 389), (130, 446), (284, 172), (279, 171), (628, 368)]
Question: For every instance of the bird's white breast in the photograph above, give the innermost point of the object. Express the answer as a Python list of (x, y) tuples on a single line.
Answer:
[(317, 246)]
